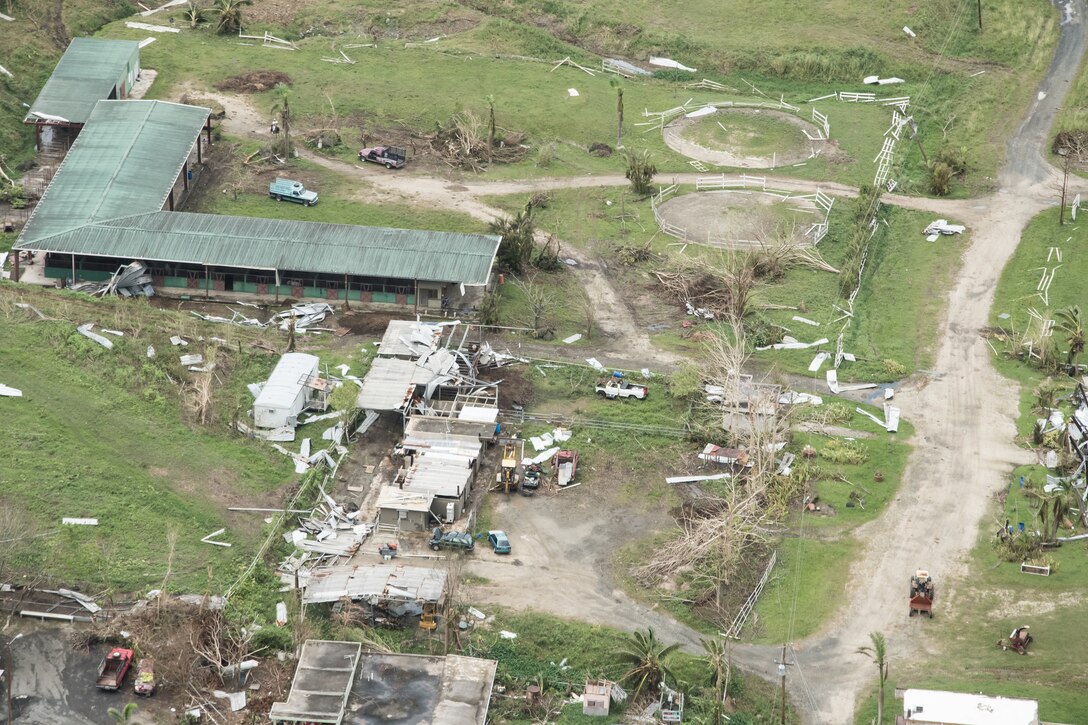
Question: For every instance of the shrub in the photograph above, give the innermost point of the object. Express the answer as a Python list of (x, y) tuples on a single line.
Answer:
[(641, 172), (940, 178), (545, 155), (894, 369), (845, 452)]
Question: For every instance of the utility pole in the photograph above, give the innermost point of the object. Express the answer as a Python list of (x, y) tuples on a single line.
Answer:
[(782, 674)]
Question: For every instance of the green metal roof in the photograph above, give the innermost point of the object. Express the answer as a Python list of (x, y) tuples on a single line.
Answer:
[(124, 161), (85, 74), (255, 243)]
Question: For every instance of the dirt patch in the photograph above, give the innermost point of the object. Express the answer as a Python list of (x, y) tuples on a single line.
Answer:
[(516, 386), (370, 324), (257, 81), (730, 217), (674, 136), (441, 27), (279, 13)]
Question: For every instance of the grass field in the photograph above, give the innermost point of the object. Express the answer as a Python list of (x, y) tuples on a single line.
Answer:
[(103, 433)]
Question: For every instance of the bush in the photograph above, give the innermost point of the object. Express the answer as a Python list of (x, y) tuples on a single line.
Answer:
[(641, 172), (940, 178), (954, 158), (845, 452), (545, 155), (894, 369)]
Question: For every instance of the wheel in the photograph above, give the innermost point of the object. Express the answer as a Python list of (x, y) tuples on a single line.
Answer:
[(278, 197), (931, 614), (911, 613), (388, 165), (434, 548)]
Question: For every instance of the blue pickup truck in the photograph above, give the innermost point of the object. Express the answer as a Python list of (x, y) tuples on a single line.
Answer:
[(288, 190)]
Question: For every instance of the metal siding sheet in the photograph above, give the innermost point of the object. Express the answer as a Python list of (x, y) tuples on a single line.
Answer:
[(256, 243)]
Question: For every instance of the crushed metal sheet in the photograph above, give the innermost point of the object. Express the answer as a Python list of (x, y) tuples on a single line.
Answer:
[(806, 321), (941, 226), (696, 479), (541, 457), (195, 359), (150, 351), (796, 398), (79, 522), (85, 330), (208, 539), (669, 63), (818, 361), (237, 700), (595, 364), (177, 340), (835, 387), (9, 392), (789, 343)]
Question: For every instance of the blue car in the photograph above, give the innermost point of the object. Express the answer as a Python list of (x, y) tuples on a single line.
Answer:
[(499, 542)]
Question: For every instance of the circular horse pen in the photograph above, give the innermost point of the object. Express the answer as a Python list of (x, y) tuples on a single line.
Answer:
[(742, 213), (747, 138)]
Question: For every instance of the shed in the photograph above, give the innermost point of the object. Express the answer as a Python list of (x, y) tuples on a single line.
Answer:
[(409, 340), (91, 70), (294, 386), (377, 583), (407, 510), (938, 707)]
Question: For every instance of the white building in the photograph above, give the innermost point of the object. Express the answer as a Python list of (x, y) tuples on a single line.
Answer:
[(936, 707), (294, 386)]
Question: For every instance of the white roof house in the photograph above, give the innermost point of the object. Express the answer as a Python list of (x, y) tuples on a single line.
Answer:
[(937, 707), (288, 392)]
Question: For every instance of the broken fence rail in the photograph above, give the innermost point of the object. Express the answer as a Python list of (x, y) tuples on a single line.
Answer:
[(517, 416)]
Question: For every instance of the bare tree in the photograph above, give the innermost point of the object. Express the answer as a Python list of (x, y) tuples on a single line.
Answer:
[(540, 303)]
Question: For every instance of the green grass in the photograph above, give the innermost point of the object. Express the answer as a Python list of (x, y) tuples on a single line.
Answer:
[(1016, 290), (746, 133), (101, 433), (544, 641), (896, 314)]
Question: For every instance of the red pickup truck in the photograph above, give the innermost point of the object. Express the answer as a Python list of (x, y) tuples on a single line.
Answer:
[(114, 667)]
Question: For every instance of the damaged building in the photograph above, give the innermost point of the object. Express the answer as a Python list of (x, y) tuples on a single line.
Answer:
[(338, 683)]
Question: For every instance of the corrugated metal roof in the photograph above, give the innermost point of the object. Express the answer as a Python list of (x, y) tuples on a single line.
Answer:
[(375, 583), (391, 497), (124, 162), (255, 243), (285, 382), (85, 74), (321, 684), (409, 339)]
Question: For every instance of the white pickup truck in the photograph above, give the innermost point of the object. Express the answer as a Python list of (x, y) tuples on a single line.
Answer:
[(614, 387)]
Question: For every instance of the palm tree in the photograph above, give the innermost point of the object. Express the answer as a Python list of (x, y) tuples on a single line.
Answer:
[(283, 110), (490, 125), (717, 659), (1069, 321), (1054, 503), (878, 653), (230, 15), (195, 13), (122, 717), (646, 660), (615, 83)]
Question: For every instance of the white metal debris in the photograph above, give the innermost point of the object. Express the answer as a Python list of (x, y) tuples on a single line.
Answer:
[(878, 81), (595, 364), (795, 398), (670, 63), (573, 338), (698, 311), (835, 387), (85, 330), (79, 522), (9, 392), (115, 333), (540, 457), (151, 351), (700, 112), (891, 415), (941, 226), (806, 321), (790, 343), (195, 359), (152, 28), (572, 92), (818, 361), (909, 32), (696, 479), (507, 635), (237, 700), (209, 538), (477, 613), (146, 42), (176, 340)]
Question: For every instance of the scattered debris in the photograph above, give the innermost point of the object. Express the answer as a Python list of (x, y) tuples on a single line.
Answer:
[(573, 338), (79, 522), (130, 280), (909, 32), (806, 321), (150, 351), (941, 226), (237, 700), (818, 361), (595, 364), (696, 479), (891, 414), (507, 635), (790, 343), (194, 359), (176, 340), (572, 92), (793, 397), (85, 330)]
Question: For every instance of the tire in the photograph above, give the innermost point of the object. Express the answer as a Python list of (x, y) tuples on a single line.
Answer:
[(434, 547), (388, 165)]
